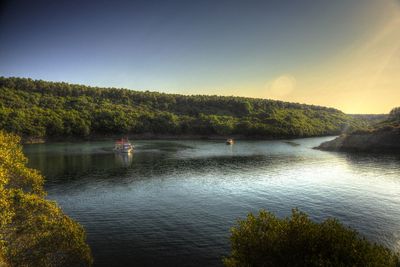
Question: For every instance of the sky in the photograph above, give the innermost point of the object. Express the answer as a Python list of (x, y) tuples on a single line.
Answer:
[(343, 54)]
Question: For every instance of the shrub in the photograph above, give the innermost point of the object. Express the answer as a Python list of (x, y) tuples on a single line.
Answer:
[(266, 240), (33, 230)]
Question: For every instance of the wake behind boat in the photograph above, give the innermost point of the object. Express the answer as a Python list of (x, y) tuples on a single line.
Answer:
[(123, 146)]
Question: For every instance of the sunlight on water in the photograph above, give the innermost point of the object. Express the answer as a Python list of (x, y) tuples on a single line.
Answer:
[(172, 203)]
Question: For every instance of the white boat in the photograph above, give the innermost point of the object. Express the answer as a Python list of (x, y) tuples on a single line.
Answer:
[(230, 141), (123, 146)]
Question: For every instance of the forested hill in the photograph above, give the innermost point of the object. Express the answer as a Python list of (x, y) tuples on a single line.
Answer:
[(384, 136), (36, 108)]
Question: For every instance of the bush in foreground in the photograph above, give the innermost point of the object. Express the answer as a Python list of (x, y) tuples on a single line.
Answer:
[(33, 231), (266, 240)]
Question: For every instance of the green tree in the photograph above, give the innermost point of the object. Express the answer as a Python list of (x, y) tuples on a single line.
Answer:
[(266, 240), (35, 108), (33, 231)]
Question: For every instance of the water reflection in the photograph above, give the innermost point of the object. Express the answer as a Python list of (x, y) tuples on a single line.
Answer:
[(365, 160), (172, 203), (124, 159)]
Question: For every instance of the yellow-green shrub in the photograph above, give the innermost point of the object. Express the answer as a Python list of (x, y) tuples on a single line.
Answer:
[(33, 231)]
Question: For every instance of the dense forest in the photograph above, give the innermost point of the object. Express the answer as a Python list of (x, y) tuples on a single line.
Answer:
[(41, 109)]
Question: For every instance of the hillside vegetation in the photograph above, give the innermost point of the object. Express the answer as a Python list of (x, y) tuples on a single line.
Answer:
[(33, 230), (382, 136), (36, 108), (393, 120)]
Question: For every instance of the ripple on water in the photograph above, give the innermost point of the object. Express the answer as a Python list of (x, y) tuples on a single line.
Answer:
[(172, 203)]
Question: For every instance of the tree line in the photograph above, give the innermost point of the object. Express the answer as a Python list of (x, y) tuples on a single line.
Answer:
[(36, 108)]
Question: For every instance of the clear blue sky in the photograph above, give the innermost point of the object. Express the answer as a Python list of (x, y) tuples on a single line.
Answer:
[(270, 49)]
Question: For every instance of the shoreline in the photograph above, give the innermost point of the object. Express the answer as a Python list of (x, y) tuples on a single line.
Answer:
[(378, 141), (148, 136)]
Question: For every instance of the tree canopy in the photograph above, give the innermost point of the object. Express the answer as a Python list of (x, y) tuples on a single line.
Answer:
[(36, 108), (265, 240), (33, 231)]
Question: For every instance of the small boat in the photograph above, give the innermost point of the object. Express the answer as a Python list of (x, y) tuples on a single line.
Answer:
[(230, 141), (123, 146)]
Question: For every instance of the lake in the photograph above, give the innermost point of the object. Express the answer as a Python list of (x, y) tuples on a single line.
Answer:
[(172, 203)]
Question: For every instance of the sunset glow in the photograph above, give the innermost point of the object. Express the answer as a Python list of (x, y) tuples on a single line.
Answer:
[(342, 54)]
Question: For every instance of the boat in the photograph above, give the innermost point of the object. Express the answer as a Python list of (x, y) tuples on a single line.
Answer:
[(230, 141), (123, 146)]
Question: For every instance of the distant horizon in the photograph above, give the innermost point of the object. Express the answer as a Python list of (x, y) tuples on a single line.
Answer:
[(200, 94), (343, 54)]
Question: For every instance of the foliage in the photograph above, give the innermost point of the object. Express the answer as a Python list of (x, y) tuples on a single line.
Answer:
[(391, 124), (369, 120), (395, 114), (35, 108), (33, 230), (266, 240)]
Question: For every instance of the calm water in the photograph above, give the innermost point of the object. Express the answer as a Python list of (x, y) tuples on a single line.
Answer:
[(172, 203)]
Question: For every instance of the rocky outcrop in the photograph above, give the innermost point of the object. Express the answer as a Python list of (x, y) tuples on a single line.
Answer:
[(386, 139)]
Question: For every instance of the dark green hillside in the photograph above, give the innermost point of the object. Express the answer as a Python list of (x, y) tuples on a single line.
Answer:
[(370, 119), (393, 120), (36, 108), (383, 136), (390, 123)]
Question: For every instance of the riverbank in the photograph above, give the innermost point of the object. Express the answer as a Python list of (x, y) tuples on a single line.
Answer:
[(61, 109), (380, 140), (150, 136)]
